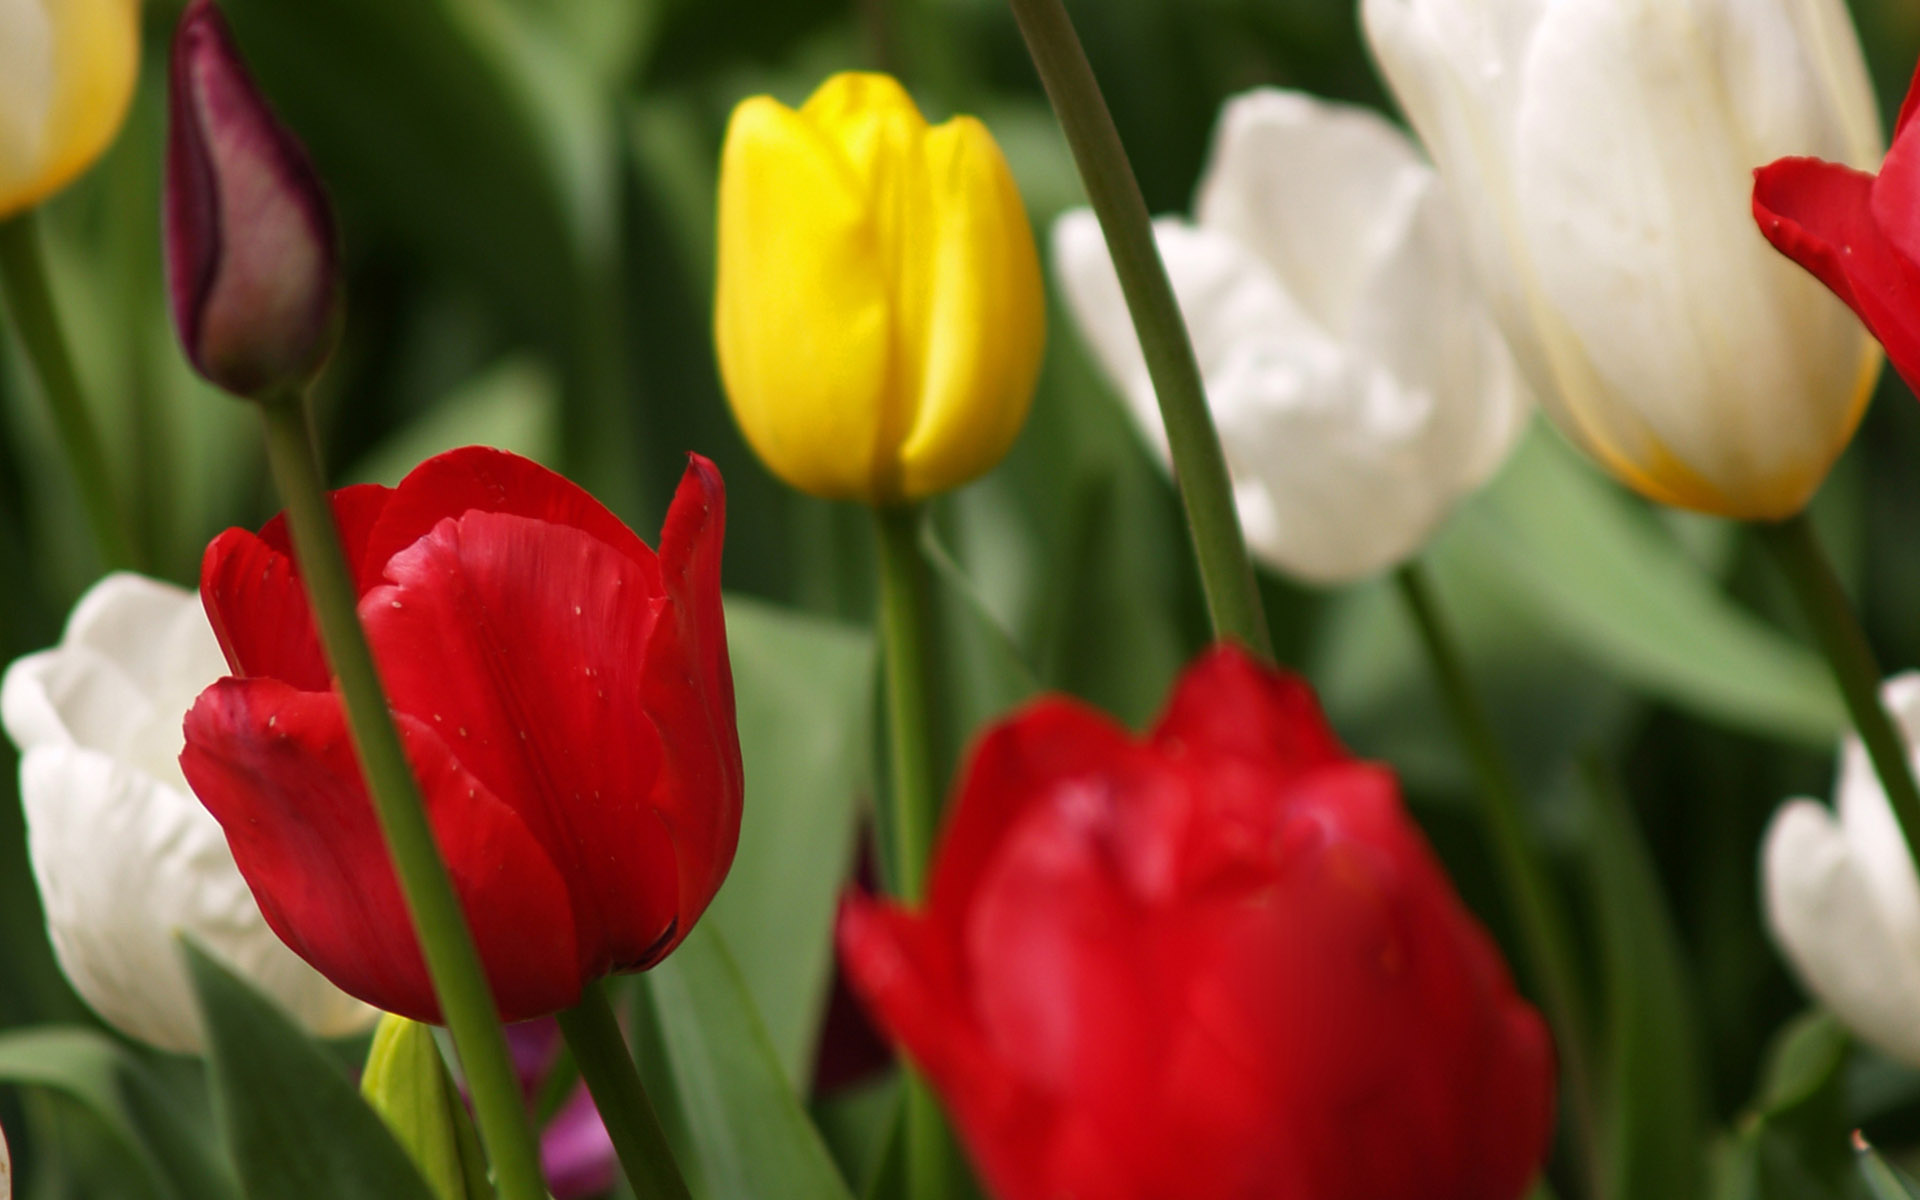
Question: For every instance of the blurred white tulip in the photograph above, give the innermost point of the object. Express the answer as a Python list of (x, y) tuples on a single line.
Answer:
[(1842, 899), (124, 855), (1359, 385), (1603, 155)]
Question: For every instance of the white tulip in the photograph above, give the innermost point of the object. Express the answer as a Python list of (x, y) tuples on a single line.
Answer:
[(124, 855), (1842, 898), (1359, 386), (1603, 155)]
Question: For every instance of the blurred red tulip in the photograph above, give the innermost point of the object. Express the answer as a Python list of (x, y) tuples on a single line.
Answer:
[(564, 696), (1219, 963)]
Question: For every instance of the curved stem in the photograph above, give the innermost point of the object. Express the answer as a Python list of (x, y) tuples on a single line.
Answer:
[(23, 270), (1199, 465), (606, 1064), (1817, 589), (1525, 881), (453, 962)]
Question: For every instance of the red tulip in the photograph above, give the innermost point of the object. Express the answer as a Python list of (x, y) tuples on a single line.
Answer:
[(563, 694), (1219, 963), (1857, 233)]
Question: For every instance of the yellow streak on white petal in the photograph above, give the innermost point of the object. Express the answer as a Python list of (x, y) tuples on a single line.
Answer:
[(77, 61)]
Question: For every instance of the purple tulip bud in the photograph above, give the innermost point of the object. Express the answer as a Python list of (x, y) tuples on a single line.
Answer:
[(251, 260)]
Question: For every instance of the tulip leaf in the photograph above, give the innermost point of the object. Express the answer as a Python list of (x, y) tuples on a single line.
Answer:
[(110, 1082), (803, 696), (739, 1131), (1654, 1091), (1592, 563), (1884, 1180), (295, 1126), (980, 670), (1792, 1141)]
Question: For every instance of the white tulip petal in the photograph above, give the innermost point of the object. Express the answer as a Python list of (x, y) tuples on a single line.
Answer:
[(1320, 191), (1832, 929), (1873, 832), (26, 84), (125, 857)]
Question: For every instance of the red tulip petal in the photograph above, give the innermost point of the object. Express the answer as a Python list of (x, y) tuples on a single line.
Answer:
[(524, 645), (257, 604), (1229, 706), (689, 686), (1822, 216), (276, 768), (1046, 745), (478, 478)]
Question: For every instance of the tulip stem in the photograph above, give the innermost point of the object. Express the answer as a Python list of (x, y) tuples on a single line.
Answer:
[(1525, 880), (906, 823), (1810, 574), (1199, 464), (606, 1064), (23, 270), (453, 962)]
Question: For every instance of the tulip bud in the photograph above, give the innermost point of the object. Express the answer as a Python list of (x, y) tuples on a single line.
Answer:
[(251, 260), (879, 312), (406, 1082), (67, 69)]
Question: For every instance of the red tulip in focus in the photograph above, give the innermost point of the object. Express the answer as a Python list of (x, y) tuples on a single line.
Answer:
[(1858, 233), (563, 693), (1219, 963)]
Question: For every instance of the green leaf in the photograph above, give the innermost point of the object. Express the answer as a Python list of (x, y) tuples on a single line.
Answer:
[(512, 405), (1596, 565), (1884, 1180), (1655, 1094), (980, 672), (739, 1131), (110, 1082), (294, 1125), (803, 695), (407, 1083)]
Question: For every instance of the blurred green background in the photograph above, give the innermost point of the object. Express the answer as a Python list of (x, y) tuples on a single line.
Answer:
[(526, 191)]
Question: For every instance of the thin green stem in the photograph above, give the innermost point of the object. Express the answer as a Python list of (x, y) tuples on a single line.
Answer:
[(452, 960), (23, 271), (1545, 933), (606, 1064), (908, 819), (1199, 465), (1809, 573)]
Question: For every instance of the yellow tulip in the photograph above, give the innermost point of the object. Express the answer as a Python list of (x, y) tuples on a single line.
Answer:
[(66, 75), (879, 312)]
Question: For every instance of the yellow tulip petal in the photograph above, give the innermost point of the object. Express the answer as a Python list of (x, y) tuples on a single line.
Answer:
[(801, 305), (69, 69)]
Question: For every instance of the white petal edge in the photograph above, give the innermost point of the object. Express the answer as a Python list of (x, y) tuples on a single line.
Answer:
[(1872, 831), (1832, 930)]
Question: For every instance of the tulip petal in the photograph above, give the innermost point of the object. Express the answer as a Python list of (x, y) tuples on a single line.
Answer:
[(1227, 706), (67, 70), (522, 644), (1821, 215), (1873, 833), (1832, 929), (257, 603), (482, 479), (276, 768), (698, 792)]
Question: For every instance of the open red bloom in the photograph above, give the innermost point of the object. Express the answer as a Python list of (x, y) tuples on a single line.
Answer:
[(1219, 963), (562, 691), (1857, 233)]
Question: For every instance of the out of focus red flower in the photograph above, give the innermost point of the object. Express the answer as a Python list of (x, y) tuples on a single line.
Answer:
[(562, 691), (1857, 233), (1219, 963)]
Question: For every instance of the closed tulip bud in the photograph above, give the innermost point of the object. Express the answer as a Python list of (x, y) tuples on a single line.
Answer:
[(879, 313), (1842, 900), (1216, 963), (1352, 416), (124, 856), (253, 276), (1602, 152), (67, 69)]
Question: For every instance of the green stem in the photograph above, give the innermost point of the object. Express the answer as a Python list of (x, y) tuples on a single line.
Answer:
[(1199, 465), (907, 821), (1797, 549), (23, 270), (1525, 881), (606, 1064), (452, 960)]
